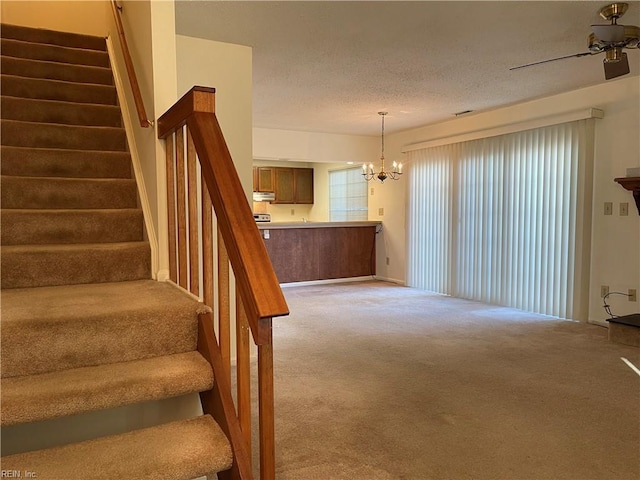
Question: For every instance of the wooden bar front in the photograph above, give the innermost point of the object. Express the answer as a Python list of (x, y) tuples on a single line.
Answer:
[(321, 251)]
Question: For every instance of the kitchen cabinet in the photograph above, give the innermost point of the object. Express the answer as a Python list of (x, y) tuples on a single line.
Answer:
[(285, 192), (293, 185), (263, 179), (290, 185), (303, 185)]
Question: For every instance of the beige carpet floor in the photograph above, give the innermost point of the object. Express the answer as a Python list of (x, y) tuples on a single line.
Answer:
[(375, 381)]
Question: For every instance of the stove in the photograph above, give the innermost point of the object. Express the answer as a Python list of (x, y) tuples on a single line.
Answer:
[(262, 217)]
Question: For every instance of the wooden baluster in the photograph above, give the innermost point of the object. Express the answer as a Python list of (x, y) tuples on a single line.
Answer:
[(182, 224), (207, 247), (243, 371), (266, 409), (171, 208), (194, 267), (224, 305)]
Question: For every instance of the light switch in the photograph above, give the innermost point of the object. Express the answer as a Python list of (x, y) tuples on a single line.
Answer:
[(624, 209), (380, 212), (266, 234), (608, 208)]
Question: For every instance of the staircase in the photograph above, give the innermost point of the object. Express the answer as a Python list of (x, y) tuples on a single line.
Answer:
[(84, 328)]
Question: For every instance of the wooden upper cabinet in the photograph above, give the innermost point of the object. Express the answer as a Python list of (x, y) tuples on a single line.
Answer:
[(284, 186), (291, 185), (263, 179), (303, 185)]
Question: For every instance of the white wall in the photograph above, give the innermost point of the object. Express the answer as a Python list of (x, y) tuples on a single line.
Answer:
[(227, 68), (273, 144), (90, 17), (615, 259)]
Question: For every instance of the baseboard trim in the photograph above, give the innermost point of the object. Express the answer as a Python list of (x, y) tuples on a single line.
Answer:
[(330, 280), (600, 323), (390, 280)]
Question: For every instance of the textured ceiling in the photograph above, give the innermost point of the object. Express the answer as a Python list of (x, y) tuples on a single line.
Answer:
[(331, 66)]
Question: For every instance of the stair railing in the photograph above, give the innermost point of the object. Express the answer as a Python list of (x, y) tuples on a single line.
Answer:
[(192, 133), (131, 72)]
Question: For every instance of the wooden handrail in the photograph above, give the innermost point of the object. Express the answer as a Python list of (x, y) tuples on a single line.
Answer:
[(261, 292), (192, 135), (133, 80)]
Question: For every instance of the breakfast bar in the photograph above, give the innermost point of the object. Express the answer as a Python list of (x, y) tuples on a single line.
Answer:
[(307, 251)]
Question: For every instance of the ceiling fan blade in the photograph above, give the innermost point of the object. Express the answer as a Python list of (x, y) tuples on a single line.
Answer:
[(576, 55), (609, 33), (616, 69)]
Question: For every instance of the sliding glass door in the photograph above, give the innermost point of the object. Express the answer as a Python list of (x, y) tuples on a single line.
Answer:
[(502, 219)]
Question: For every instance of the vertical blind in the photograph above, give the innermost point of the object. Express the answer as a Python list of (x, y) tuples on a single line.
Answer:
[(501, 219), (347, 195)]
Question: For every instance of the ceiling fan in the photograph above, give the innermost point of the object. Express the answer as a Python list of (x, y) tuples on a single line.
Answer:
[(610, 39)]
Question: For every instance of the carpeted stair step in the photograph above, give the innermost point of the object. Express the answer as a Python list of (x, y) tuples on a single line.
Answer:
[(41, 35), (67, 113), (25, 67), (54, 53), (42, 162), (44, 89), (33, 398), (75, 137), (25, 266), (175, 451), (38, 227), (50, 135), (66, 193), (74, 326)]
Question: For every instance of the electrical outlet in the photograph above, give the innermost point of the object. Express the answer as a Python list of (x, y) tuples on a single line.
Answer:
[(633, 297), (387, 260), (293, 211), (266, 234), (604, 290), (381, 212), (372, 190), (624, 209), (608, 208)]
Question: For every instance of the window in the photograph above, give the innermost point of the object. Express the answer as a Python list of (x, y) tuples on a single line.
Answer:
[(347, 195), (502, 219)]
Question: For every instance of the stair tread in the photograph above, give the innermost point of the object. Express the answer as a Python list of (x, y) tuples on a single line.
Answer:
[(34, 68), (60, 112), (33, 398), (56, 81), (67, 211), (64, 163), (54, 37), (83, 312), (54, 53), (43, 88), (179, 450), (25, 266), (51, 304), (61, 226), (70, 248)]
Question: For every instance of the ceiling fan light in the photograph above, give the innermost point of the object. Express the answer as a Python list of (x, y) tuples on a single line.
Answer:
[(613, 55)]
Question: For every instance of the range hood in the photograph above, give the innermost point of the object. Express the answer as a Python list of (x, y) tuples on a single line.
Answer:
[(264, 196)]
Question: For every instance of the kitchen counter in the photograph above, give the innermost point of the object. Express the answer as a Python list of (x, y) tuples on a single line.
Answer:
[(274, 225), (306, 251)]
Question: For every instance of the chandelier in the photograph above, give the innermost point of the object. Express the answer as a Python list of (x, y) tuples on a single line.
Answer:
[(367, 170)]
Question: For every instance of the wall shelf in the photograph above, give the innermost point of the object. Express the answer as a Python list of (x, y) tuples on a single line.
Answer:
[(633, 185)]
